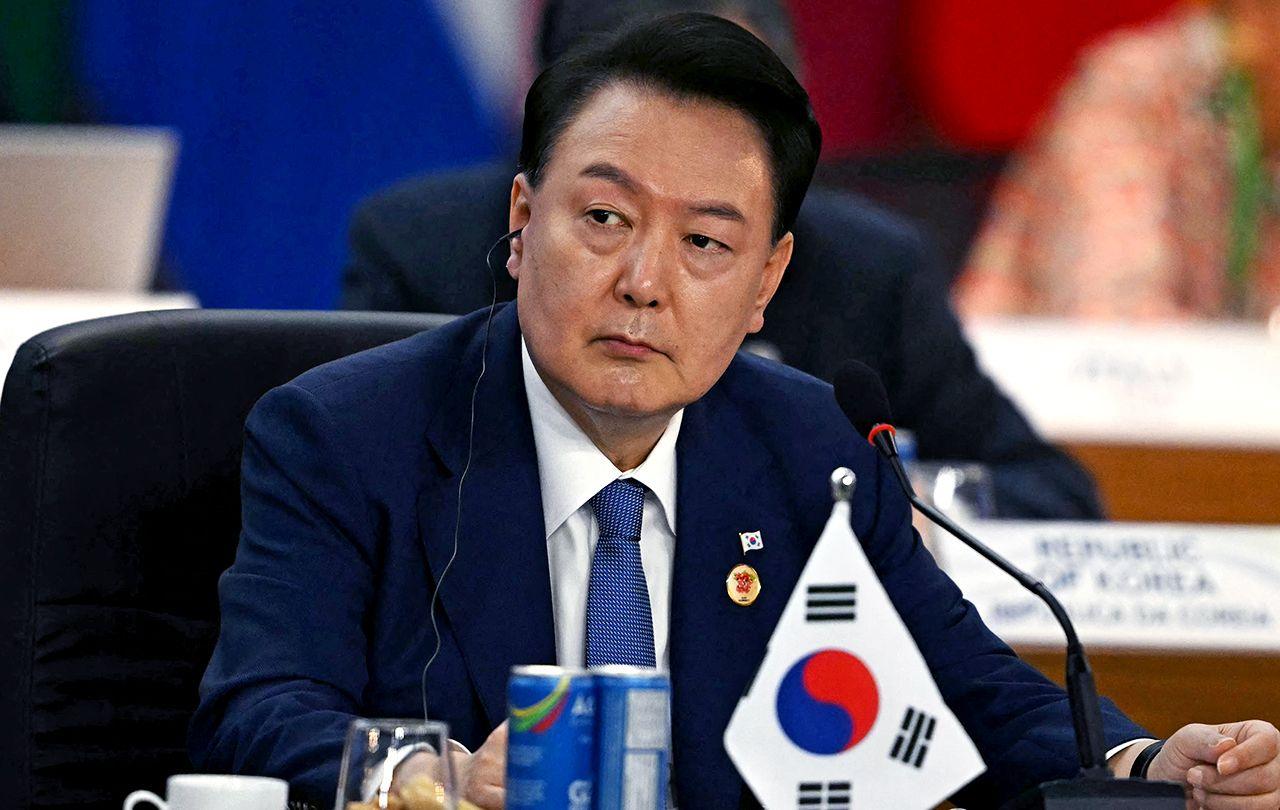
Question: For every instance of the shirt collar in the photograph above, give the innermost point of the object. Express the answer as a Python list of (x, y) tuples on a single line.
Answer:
[(571, 469)]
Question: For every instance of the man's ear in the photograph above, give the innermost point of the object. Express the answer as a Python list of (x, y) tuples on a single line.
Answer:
[(517, 219), (774, 269)]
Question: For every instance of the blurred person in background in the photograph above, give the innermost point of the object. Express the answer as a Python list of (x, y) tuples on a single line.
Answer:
[(860, 286), (1150, 191)]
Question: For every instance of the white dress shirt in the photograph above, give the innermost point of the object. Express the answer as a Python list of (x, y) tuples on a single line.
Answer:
[(571, 471)]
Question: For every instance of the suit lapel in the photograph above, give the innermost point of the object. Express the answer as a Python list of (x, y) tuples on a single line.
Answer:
[(728, 483), (497, 596)]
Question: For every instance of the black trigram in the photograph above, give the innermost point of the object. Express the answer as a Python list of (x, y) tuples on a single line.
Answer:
[(913, 737), (831, 603), (823, 795)]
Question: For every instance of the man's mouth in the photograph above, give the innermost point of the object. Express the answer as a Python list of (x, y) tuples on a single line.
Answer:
[(623, 345)]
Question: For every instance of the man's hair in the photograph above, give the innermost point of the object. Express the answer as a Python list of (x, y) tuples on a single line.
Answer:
[(566, 24), (688, 56)]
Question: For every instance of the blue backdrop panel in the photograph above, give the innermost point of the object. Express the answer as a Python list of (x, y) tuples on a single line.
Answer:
[(289, 112)]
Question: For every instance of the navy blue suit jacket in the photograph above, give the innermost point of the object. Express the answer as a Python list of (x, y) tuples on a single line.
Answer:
[(350, 478)]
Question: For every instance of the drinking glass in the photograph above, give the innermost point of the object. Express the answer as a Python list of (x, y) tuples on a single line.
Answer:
[(397, 765), (961, 490)]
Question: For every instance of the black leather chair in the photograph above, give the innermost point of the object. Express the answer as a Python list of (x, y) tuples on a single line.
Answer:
[(119, 507)]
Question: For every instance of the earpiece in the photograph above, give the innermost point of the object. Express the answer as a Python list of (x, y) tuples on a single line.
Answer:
[(471, 431)]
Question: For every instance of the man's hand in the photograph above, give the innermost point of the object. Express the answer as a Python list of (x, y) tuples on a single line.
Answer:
[(482, 776), (1235, 766)]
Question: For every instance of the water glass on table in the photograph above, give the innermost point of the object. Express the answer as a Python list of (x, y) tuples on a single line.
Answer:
[(963, 491), (377, 773)]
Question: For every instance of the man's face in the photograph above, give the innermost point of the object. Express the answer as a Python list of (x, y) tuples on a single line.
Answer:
[(646, 253)]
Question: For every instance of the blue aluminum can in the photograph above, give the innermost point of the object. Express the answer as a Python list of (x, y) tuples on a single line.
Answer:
[(633, 705), (551, 738)]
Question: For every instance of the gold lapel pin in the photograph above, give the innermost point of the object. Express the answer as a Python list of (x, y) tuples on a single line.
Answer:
[(743, 584)]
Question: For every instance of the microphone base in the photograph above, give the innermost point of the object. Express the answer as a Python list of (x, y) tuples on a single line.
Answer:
[(1101, 794)]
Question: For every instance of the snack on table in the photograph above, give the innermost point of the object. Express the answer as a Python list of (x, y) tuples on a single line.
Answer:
[(419, 793)]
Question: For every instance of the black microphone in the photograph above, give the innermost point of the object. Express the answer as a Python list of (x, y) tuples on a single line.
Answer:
[(862, 397)]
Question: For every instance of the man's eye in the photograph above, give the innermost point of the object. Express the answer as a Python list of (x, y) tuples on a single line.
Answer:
[(603, 217), (702, 242)]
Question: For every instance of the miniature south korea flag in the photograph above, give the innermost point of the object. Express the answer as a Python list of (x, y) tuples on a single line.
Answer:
[(751, 541), (843, 711)]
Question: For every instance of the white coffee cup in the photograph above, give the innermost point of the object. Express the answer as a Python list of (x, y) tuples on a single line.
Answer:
[(195, 791)]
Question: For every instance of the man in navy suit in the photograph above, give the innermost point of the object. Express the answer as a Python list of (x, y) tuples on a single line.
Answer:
[(859, 286), (586, 460)]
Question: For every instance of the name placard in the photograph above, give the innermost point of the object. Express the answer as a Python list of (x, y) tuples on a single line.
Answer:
[(1199, 384), (1127, 585)]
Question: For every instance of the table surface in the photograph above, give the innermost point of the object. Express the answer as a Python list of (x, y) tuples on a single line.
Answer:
[(1164, 690), (1185, 484)]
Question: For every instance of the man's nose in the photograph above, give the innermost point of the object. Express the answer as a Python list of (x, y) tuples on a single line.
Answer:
[(643, 280)]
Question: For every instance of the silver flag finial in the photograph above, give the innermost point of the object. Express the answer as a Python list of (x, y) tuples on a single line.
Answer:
[(842, 483)]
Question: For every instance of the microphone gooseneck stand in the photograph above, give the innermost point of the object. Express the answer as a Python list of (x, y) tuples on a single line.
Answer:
[(1094, 788)]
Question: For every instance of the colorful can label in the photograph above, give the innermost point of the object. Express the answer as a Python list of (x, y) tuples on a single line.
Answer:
[(551, 738), (633, 707)]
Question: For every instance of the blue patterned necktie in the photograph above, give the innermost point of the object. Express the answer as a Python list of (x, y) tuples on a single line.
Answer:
[(619, 623)]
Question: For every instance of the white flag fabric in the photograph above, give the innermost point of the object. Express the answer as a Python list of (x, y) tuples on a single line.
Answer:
[(843, 712)]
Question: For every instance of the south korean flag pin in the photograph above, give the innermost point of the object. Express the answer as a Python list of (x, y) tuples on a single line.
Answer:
[(751, 541)]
